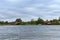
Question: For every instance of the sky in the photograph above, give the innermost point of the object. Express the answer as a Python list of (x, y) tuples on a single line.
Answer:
[(29, 9)]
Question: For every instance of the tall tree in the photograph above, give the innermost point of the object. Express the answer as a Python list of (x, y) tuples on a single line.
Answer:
[(18, 21), (59, 19), (40, 21)]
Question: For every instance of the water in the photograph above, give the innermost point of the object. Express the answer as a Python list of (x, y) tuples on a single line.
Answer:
[(36, 32)]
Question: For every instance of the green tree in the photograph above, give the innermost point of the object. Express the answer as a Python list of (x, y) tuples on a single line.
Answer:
[(40, 21), (18, 21), (55, 22), (59, 19), (32, 22), (6, 22)]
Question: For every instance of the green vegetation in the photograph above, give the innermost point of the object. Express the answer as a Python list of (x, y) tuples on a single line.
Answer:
[(18, 22), (32, 22), (40, 21)]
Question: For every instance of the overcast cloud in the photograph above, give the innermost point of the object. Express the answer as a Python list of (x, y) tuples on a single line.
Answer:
[(28, 9)]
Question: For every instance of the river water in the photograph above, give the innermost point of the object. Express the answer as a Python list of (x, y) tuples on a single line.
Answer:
[(30, 32)]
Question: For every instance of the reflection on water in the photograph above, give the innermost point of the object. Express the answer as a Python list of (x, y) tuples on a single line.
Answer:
[(40, 32)]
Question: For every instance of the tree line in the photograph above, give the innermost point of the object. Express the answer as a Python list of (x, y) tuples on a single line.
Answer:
[(39, 21)]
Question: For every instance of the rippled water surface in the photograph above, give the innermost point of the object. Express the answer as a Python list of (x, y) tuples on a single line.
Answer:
[(36, 32)]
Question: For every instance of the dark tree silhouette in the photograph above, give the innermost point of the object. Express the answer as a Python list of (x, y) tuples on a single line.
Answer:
[(18, 21), (40, 21)]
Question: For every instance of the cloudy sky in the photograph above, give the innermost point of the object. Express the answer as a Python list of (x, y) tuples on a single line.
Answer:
[(28, 9)]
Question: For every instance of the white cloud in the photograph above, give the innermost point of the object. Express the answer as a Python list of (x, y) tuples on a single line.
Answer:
[(28, 9), (57, 1), (55, 6), (14, 1)]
